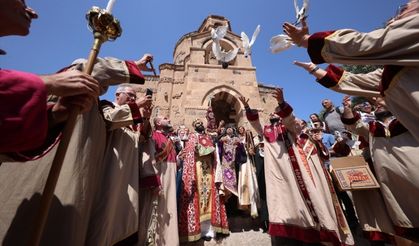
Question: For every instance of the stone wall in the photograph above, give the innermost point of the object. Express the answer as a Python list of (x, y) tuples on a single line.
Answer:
[(185, 87)]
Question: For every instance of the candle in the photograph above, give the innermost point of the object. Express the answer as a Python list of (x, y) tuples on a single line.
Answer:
[(109, 7)]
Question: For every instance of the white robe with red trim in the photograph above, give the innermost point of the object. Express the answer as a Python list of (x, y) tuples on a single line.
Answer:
[(115, 213), (395, 46), (158, 217), (248, 189), (289, 212), (397, 167), (78, 184)]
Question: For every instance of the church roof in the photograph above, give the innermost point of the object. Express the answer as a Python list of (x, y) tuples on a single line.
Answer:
[(209, 22)]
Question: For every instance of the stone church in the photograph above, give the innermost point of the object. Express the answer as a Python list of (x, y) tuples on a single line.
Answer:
[(185, 88)]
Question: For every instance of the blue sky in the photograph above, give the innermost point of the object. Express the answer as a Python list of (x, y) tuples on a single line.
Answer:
[(60, 35)]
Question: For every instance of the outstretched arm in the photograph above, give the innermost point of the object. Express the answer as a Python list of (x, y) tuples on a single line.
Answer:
[(252, 116), (352, 120), (395, 44), (113, 71), (244, 101), (299, 36), (71, 83), (284, 110), (142, 63), (125, 115), (339, 80), (312, 68)]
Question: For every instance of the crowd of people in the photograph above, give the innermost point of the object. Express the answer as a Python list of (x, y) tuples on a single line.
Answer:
[(128, 179)]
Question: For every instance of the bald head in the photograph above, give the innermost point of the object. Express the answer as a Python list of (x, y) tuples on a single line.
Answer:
[(162, 123), (327, 104), (125, 94)]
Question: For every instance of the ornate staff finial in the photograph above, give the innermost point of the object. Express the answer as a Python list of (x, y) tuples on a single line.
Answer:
[(103, 22)]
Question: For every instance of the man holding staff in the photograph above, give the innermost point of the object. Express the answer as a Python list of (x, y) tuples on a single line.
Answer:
[(23, 95), (70, 212)]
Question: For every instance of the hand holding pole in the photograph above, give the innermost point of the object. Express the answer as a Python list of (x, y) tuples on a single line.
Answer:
[(152, 68), (104, 27)]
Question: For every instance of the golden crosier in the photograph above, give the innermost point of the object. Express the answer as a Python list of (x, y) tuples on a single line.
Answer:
[(104, 23)]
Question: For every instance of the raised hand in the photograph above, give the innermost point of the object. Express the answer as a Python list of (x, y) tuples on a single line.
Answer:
[(144, 102), (346, 102), (278, 94), (244, 101), (347, 110), (142, 63), (146, 111), (312, 68), (298, 35), (71, 83), (308, 66), (317, 136)]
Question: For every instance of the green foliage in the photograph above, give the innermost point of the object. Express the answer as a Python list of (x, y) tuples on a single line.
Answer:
[(355, 100), (360, 68)]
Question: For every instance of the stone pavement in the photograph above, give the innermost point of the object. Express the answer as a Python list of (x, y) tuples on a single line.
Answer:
[(246, 232), (243, 231)]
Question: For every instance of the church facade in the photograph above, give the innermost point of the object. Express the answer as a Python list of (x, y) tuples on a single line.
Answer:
[(195, 80)]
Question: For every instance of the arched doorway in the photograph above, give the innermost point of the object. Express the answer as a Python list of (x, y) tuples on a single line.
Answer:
[(225, 107)]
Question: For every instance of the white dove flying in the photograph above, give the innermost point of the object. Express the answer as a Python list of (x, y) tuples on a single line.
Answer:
[(280, 43), (222, 56), (247, 46), (218, 33), (300, 13)]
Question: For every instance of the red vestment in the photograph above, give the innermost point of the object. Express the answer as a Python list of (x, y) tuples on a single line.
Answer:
[(23, 112)]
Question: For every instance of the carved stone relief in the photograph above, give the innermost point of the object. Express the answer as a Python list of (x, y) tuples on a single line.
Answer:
[(176, 111), (180, 81), (166, 80), (152, 78), (195, 112), (177, 96), (167, 66), (180, 58)]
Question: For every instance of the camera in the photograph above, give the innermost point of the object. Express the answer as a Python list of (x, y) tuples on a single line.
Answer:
[(149, 92)]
